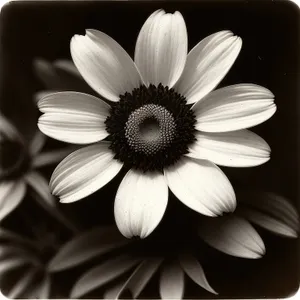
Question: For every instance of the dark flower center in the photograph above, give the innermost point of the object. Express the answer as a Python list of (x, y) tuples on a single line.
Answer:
[(150, 128)]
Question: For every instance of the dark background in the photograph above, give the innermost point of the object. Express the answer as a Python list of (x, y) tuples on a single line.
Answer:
[(269, 57)]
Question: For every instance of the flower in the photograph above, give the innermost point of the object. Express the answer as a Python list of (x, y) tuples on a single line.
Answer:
[(161, 121), (18, 169), (135, 264)]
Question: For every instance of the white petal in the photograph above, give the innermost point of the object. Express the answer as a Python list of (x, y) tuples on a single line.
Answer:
[(207, 64), (83, 172), (140, 203), (73, 117), (232, 235), (11, 195), (171, 282), (104, 64), (161, 48), (201, 186), (234, 107), (194, 270), (233, 149)]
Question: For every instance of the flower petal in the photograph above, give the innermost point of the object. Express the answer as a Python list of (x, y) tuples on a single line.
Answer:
[(270, 211), (11, 195), (201, 186), (73, 117), (194, 270), (86, 246), (171, 282), (83, 172), (241, 148), (234, 107), (140, 203), (207, 64), (161, 48), (104, 64), (101, 274), (232, 235)]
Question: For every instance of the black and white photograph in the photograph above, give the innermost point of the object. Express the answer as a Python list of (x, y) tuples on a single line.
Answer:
[(149, 149)]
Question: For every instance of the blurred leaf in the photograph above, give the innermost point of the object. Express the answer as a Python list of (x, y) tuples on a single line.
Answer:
[(22, 284), (86, 246), (52, 157), (40, 288), (137, 280), (12, 263), (7, 235), (103, 273), (232, 235), (267, 222), (11, 195), (37, 143), (142, 275), (8, 252), (114, 291), (45, 287), (8, 130), (46, 73), (194, 270), (270, 211), (43, 93), (171, 281), (67, 66), (39, 184), (61, 75)]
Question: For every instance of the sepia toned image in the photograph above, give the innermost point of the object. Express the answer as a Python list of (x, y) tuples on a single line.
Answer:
[(149, 149)]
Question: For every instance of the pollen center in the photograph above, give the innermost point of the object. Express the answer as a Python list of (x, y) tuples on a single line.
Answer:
[(149, 129)]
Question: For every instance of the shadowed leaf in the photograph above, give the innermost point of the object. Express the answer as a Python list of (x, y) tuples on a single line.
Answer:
[(232, 235), (87, 246), (194, 270), (270, 211), (102, 274)]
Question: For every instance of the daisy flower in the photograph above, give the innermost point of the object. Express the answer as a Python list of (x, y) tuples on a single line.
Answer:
[(20, 161), (173, 260), (162, 121)]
